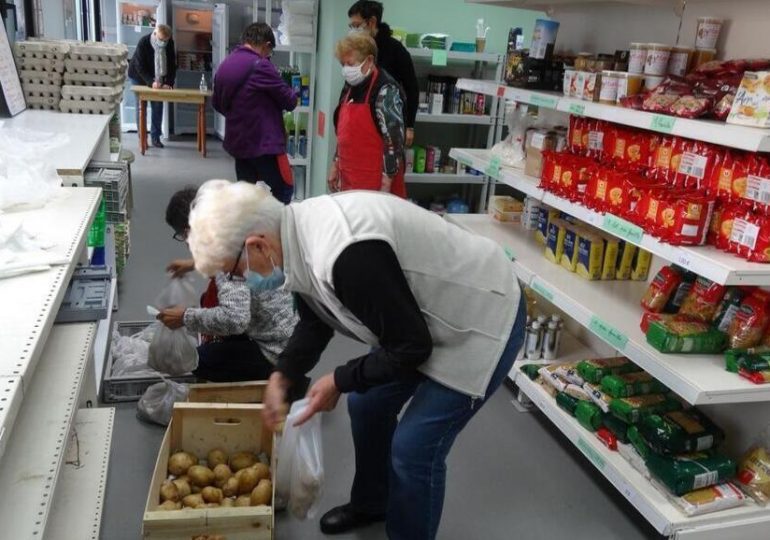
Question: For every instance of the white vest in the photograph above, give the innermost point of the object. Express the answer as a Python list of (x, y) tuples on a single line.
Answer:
[(463, 283)]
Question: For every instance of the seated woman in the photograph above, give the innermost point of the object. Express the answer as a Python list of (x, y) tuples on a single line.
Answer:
[(244, 330)]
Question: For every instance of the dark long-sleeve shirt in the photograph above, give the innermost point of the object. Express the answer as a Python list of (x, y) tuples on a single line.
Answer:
[(369, 282), (396, 60), (142, 65)]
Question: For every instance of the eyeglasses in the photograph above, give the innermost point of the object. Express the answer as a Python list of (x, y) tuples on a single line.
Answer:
[(237, 262), (180, 236)]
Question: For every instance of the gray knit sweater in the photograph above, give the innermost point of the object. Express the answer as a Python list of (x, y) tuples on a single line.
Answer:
[(268, 317)]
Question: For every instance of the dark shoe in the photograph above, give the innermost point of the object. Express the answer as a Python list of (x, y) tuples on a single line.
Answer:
[(157, 144), (343, 519)]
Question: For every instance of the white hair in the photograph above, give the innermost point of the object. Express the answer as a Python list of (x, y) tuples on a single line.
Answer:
[(223, 214)]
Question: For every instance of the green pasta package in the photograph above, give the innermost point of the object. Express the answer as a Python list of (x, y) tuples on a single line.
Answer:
[(632, 384), (632, 409), (688, 472), (679, 432), (593, 370), (685, 337)]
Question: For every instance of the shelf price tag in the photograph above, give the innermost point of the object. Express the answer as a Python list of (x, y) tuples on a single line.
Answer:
[(509, 253), (542, 290), (439, 57), (544, 101), (576, 108), (622, 229), (608, 333), (684, 260), (593, 456), (500, 91), (662, 123), (493, 169)]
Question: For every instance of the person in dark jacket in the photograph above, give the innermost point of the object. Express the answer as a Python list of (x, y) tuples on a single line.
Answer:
[(154, 65), (250, 93), (392, 56)]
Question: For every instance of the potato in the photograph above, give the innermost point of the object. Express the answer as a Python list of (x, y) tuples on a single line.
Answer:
[(216, 457), (227, 502), (195, 489), (242, 460), (230, 488), (212, 494), (222, 474), (243, 500), (200, 476), (169, 492), (262, 470), (208, 505), (170, 505), (183, 486), (192, 501), (247, 481), (179, 462), (262, 494)]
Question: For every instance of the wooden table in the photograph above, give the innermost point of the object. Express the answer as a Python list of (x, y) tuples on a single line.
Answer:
[(196, 97)]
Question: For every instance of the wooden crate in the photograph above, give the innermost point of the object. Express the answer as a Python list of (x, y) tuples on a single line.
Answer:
[(239, 392), (198, 428)]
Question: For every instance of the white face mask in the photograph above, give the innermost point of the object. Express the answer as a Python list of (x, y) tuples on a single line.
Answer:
[(354, 75)]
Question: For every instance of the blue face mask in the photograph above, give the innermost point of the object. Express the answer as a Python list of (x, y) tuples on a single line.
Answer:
[(257, 282)]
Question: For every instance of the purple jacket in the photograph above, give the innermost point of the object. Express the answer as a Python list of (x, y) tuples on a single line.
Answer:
[(250, 93)]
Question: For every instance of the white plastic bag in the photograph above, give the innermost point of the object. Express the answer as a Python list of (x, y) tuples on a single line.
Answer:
[(157, 403), (300, 474), (174, 351)]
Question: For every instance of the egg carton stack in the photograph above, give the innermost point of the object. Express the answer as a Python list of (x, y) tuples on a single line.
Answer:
[(94, 78), (41, 69)]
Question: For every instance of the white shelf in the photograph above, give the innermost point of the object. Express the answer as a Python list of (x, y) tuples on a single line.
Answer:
[(36, 297), (11, 395), (545, 5), (699, 379), (293, 49), (35, 454), (744, 138), (102, 342), (298, 162), (420, 53), (441, 178), (77, 508), (481, 120), (747, 522), (302, 109), (85, 134), (707, 261)]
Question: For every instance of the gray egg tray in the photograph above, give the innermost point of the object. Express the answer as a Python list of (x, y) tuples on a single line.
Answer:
[(96, 68)]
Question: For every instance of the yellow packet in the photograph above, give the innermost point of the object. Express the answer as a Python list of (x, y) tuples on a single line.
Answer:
[(611, 252), (590, 256), (641, 265), (554, 243), (626, 254), (544, 217), (570, 254)]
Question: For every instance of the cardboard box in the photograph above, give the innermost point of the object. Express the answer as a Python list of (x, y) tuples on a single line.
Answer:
[(198, 428), (237, 392), (537, 143)]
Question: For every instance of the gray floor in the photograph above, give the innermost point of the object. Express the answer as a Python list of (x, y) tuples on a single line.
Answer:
[(511, 474)]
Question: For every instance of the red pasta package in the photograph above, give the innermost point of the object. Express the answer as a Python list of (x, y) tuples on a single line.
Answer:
[(745, 234), (661, 158), (692, 215), (659, 103), (725, 226), (577, 125), (761, 251), (635, 101), (690, 106), (574, 177), (758, 183), (696, 165), (723, 175), (750, 322), (660, 288), (702, 302), (547, 173), (714, 223)]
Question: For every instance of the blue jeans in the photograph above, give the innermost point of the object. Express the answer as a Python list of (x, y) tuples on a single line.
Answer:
[(156, 116), (401, 466)]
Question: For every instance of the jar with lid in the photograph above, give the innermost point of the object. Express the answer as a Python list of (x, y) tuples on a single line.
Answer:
[(680, 60), (657, 59), (637, 57), (581, 61), (702, 56), (608, 94), (629, 84), (708, 31)]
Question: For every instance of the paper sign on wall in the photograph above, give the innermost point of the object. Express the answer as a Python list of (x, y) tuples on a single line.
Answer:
[(11, 96)]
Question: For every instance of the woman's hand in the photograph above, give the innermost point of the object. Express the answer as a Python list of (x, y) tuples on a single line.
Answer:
[(275, 406), (409, 137), (387, 183), (156, 85), (179, 267), (333, 180), (323, 397), (172, 317)]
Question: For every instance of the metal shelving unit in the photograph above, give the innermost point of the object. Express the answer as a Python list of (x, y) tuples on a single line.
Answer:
[(441, 178), (77, 506), (35, 453)]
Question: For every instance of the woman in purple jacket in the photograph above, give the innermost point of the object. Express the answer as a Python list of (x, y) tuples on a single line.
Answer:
[(250, 93)]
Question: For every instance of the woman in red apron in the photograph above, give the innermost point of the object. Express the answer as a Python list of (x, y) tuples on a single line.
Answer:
[(369, 123)]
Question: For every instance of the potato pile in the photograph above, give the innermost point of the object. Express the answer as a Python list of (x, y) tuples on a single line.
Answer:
[(242, 479)]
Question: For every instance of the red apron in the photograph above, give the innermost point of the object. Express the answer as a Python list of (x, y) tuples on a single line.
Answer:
[(360, 147)]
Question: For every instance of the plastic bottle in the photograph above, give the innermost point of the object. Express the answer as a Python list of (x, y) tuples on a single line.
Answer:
[(533, 342), (203, 86), (302, 144)]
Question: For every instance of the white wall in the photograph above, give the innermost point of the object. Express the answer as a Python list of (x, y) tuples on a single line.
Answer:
[(607, 28)]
